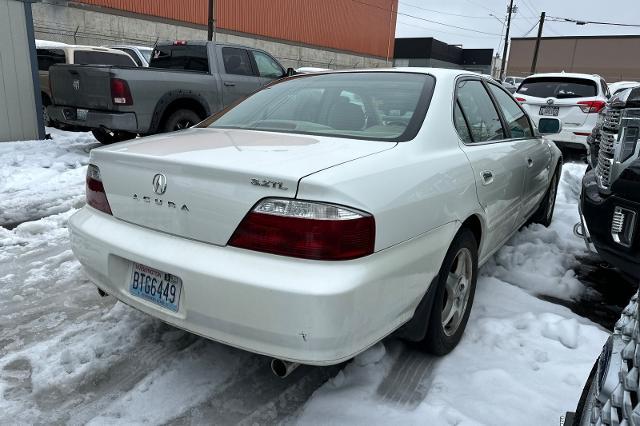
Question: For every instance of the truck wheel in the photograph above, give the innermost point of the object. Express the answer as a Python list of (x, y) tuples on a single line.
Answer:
[(454, 296), (544, 214), (105, 137), (180, 120)]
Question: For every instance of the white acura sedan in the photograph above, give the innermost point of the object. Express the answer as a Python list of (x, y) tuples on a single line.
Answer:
[(322, 213)]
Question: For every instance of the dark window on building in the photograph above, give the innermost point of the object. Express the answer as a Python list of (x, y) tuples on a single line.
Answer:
[(48, 57), (558, 87), (93, 57), (181, 57), (482, 117), (236, 61), (514, 115)]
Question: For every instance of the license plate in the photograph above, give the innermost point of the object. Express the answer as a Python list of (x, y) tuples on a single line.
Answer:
[(157, 287), (81, 114), (550, 110)]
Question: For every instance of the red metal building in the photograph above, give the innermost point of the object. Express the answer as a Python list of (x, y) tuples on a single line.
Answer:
[(359, 26)]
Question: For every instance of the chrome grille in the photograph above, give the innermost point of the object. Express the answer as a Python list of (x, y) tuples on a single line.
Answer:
[(612, 120), (608, 137)]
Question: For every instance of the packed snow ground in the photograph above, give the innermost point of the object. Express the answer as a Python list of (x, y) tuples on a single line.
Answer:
[(69, 356)]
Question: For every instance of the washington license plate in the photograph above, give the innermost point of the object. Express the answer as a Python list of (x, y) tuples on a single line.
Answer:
[(550, 110), (157, 287)]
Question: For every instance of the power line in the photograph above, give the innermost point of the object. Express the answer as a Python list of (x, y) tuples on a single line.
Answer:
[(444, 13), (422, 19), (444, 32), (582, 22)]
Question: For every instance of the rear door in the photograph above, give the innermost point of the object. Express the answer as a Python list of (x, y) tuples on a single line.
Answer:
[(239, 79), (535, 152), (558, 97), (495, 159)]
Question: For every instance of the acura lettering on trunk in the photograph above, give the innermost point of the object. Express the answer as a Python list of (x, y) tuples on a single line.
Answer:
[(326, 212)]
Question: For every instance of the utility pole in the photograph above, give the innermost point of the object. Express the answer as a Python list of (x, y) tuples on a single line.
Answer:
[(211, 22), (503, 69), (535, 52)]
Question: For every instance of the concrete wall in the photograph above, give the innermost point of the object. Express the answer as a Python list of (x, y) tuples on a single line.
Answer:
[(20, 117), (613, 57), (61, 22)]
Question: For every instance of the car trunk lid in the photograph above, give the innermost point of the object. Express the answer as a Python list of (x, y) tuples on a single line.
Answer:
[(213, 176)]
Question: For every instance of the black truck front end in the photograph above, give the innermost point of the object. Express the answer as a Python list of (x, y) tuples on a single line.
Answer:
[(610, 200)]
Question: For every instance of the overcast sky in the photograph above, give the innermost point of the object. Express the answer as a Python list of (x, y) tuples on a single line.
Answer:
[(476, 16)]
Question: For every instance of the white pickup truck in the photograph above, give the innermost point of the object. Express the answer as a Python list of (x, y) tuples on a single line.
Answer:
[(322, 213)]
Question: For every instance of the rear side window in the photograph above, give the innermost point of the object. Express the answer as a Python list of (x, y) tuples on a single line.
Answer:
[(558, 87), (91, 57), (514, 115), (236, 61), (181, 57), (48, 57), (477, 106)]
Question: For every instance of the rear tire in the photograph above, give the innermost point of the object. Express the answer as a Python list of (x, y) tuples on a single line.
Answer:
[(453, 300), (105, 137), (180, 120), (544, 214)]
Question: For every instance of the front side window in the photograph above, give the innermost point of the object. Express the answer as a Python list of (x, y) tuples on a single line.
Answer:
[(517, 120), (93, 57), (477, 106), (181, 57), (361, 105), (236, 61), (267, 66), (558, 87), (48, 57)]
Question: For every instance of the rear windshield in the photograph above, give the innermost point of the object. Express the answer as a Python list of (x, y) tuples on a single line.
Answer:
[(92, 57), (180, 57), (363, 105), (558, 87)]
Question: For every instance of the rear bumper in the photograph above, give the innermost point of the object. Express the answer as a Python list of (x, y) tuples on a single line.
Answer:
[(305, 311), (569, 139), (125, 121)]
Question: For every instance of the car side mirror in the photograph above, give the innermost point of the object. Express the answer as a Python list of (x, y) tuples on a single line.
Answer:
[(290, 72), (549, 126)]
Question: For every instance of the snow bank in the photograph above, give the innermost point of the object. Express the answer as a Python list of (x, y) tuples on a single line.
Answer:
[(41, 178)]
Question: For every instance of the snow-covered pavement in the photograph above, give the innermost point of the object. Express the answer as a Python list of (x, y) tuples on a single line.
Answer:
[(69, 356)]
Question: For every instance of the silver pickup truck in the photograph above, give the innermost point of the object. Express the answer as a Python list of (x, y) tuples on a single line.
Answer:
[(186, 81)]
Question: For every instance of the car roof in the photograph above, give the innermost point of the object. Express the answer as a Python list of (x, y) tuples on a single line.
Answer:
[(594, 77)]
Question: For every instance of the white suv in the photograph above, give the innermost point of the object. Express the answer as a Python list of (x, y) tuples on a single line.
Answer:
[(576, 99)]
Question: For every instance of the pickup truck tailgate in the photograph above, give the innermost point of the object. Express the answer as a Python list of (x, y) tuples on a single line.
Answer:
[(81, 86)]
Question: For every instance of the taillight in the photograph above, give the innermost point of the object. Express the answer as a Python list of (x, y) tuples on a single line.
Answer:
[(120, 93), (305, 229), (180, 43), (96, 197), (520, 99), (591, 106)]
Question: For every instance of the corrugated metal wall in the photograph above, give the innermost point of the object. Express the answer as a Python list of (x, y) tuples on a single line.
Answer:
[(362, 26), (18, 108)]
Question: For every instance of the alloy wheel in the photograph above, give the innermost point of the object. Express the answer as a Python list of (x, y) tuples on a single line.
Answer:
[(457, 291)]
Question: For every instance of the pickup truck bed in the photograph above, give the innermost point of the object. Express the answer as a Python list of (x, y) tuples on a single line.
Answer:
[(185, 83)]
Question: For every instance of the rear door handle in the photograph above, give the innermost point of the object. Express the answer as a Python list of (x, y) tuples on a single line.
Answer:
[(529, 162), (229, 84), (487, 177)]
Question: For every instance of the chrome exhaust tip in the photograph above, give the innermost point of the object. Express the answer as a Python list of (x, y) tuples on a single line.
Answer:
[(283, 368)]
